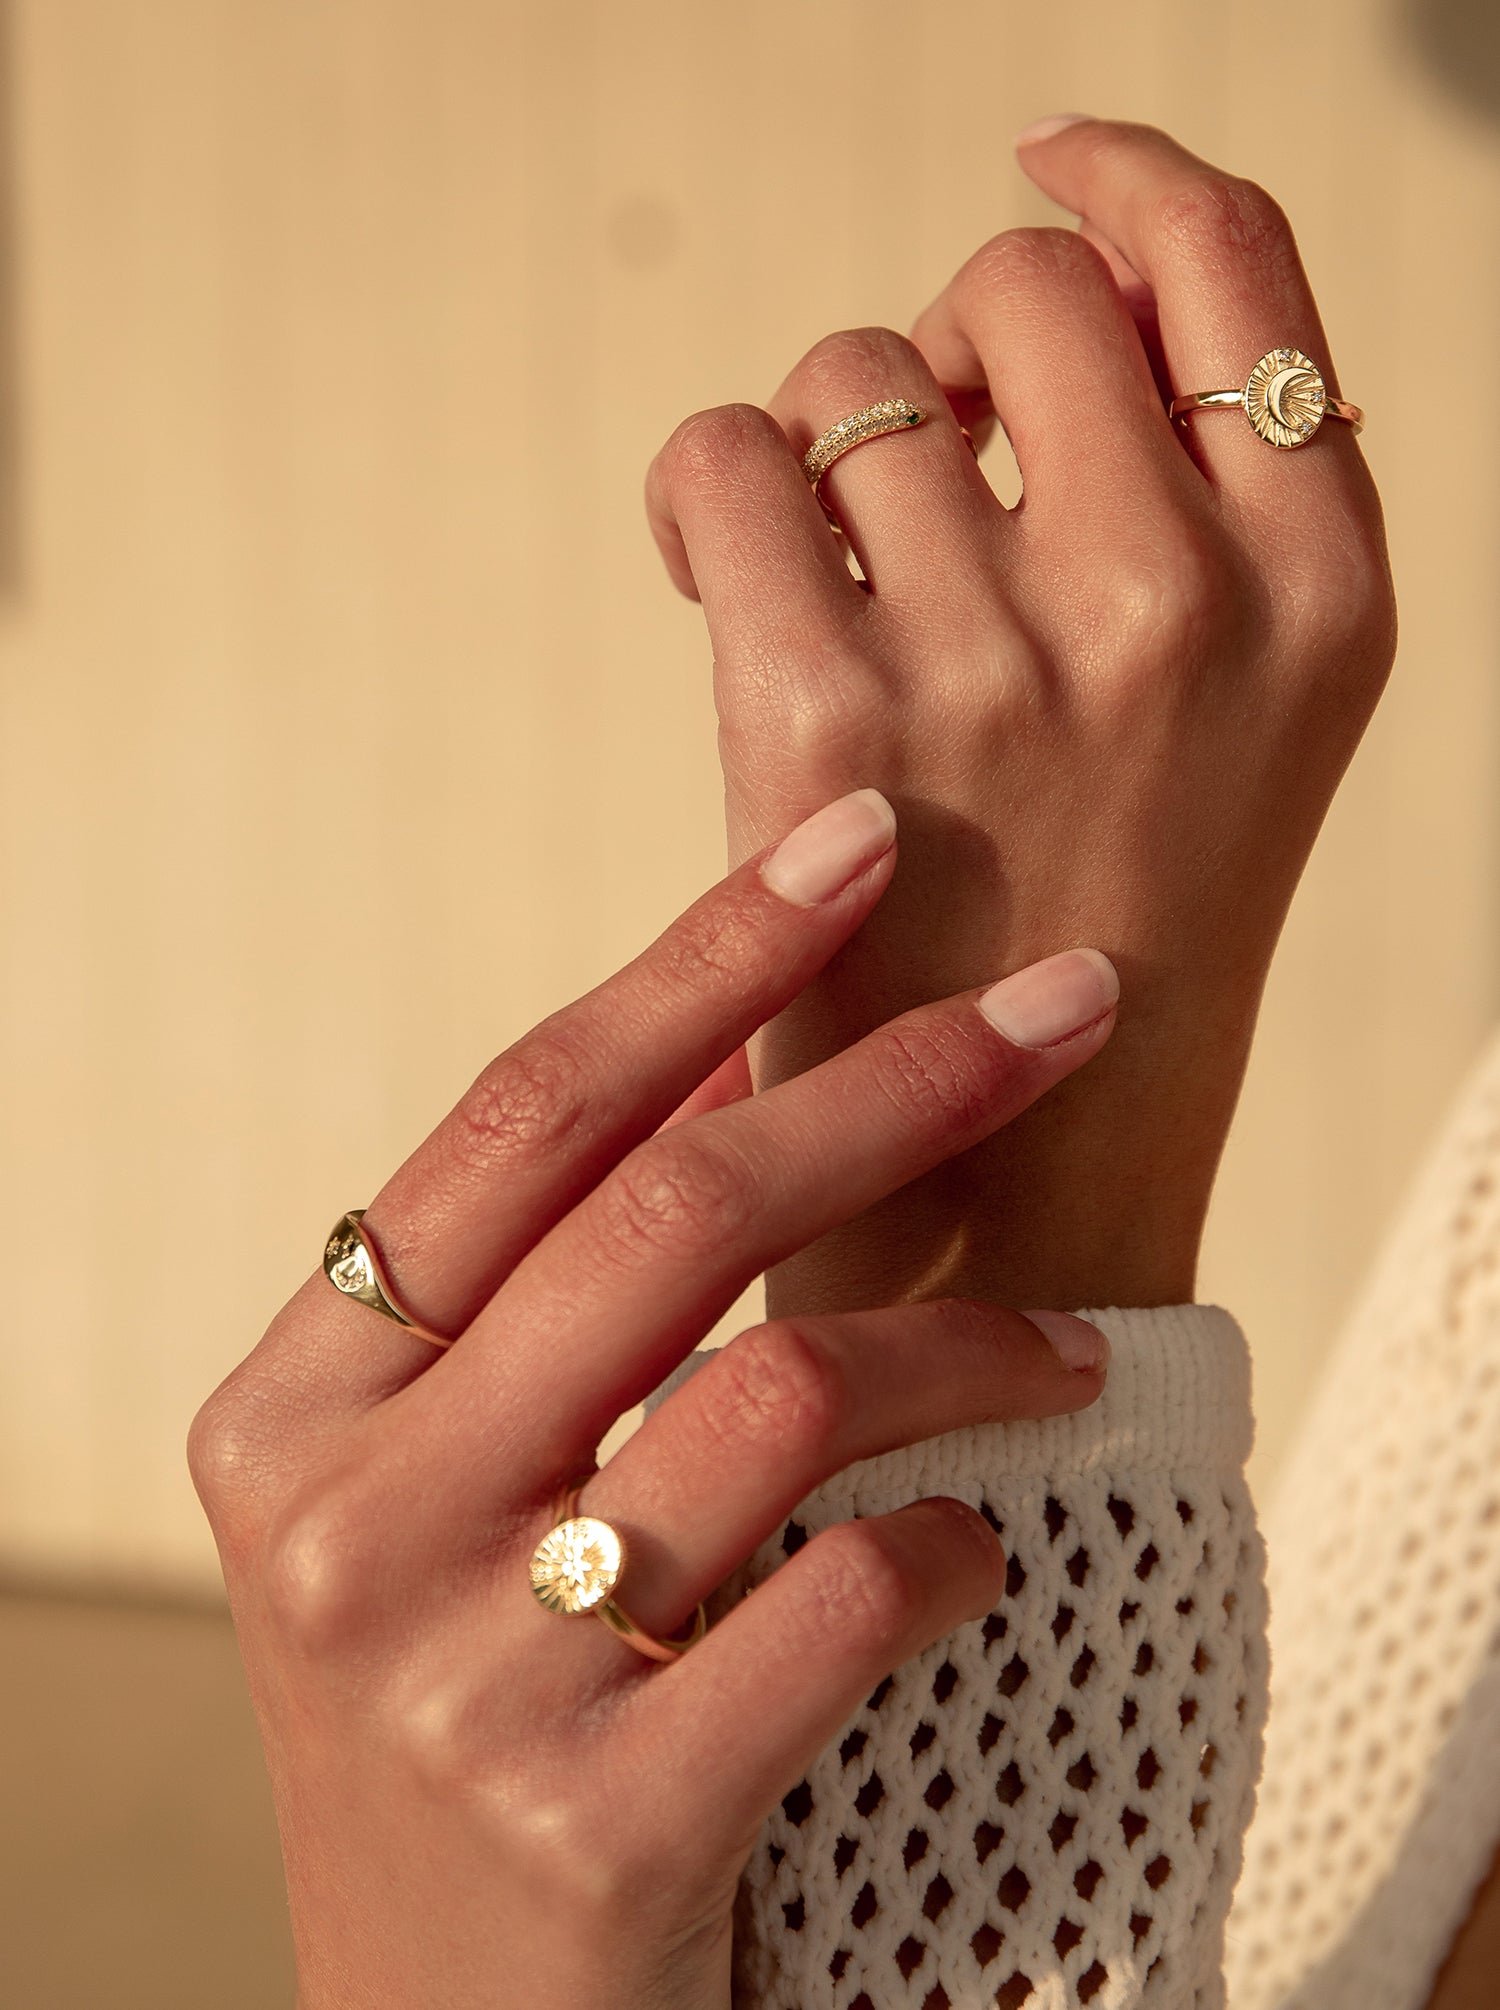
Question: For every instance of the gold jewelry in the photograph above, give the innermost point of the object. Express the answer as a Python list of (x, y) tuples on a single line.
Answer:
[(891, 415), (576, 1566), (352, 1267), (1285, 400)]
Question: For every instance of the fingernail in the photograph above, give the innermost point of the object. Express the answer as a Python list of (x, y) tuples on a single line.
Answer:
[(1051, 1000), (1079, 1346), (1043, 129), (833, 847)]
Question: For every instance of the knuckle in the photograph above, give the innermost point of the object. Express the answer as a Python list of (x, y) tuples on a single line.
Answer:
[(217, 1449), (235, 1449), (529, 1102), (610, 1873), (870, 1596), (843, 363), (684, 1192), (1031, 257), (317, 1588), (816, 693), (707, 442), (443, 1726), (1347, 628), (926, 1067), (1176, 608), (450, 1729), (776, 1386), (712, 940), (1227, 216)]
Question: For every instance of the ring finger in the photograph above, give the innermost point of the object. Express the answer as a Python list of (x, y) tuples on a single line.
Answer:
[(914, 506)]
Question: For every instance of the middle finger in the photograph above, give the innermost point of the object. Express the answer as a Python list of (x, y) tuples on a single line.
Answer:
[(600, 1311), (728, 1456)]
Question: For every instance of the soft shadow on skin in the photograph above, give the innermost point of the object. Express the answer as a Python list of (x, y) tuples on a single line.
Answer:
[(947, 865), (1459, 41)]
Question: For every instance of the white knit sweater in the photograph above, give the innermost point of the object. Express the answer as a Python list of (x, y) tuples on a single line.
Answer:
[(1380, 1808), (1049, 1807)]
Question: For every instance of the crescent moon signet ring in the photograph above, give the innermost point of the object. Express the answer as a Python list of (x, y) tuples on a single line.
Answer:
[(1284, 398)]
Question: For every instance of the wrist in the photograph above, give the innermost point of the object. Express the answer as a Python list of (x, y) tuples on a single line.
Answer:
[(1096, 1196)]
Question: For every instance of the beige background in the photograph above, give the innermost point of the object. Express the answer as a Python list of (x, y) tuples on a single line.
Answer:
[(347, 725)]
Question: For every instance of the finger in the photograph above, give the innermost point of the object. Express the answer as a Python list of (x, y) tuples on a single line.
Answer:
[(799, 1656), (1219, 256), (1036, 315), (553, 1114), (719, 1467), (600, 1312), (913, 504), (1140, 303), (731, 509)]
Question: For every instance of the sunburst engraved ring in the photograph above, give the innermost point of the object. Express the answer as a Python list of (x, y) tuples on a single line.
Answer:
[(352, 1267), (575, 1568), (1284, 398)]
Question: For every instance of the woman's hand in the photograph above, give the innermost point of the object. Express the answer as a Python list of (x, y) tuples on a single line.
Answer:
[(483, 1803), (1114, 714)]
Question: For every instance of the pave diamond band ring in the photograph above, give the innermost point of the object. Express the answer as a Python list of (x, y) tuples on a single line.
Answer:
[(1284, 398), (871, 422), (575, 1568), (351, 1266)]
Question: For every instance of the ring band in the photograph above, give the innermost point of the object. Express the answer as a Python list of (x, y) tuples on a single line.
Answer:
[(575, 1568), (872, 422), (1284, 398), (352, 1267)]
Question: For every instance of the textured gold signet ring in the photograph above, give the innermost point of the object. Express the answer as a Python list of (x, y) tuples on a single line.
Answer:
[(575, 1568), (352, 1267), (1284, 398)]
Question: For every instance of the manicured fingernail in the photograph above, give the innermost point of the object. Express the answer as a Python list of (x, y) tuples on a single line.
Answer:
[(1079, 1346), (1045, 128), (833, 847), (1051, 1000)]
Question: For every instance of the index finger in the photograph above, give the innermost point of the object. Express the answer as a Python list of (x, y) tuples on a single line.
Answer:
[(549, 1117), (1220, 258)]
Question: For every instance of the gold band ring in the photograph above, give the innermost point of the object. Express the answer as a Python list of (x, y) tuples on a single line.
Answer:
[(872, 422), (1284, 398), (352, 1267), (576, 1566)]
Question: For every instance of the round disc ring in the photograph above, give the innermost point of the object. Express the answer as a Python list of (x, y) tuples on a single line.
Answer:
[(575, 1568)]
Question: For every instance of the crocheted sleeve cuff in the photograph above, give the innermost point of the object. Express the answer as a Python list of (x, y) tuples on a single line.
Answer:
[(1048, 1806)]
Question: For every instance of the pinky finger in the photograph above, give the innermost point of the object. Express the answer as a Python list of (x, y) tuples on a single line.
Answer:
[(797, 1658)]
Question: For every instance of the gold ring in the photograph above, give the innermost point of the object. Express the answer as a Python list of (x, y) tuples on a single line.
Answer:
[(576, 1566), (1285, 400), (891, 415), (352, 1267)]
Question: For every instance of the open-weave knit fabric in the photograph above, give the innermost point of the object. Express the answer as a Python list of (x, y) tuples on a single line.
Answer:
[(1380, 1810), (1047, 1807)]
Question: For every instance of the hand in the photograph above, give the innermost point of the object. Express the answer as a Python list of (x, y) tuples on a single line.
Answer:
[(481, 1802), (1114, 714)]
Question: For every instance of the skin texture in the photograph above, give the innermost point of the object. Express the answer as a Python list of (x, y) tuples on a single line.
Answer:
[(1115, 714), (482, 1803)]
